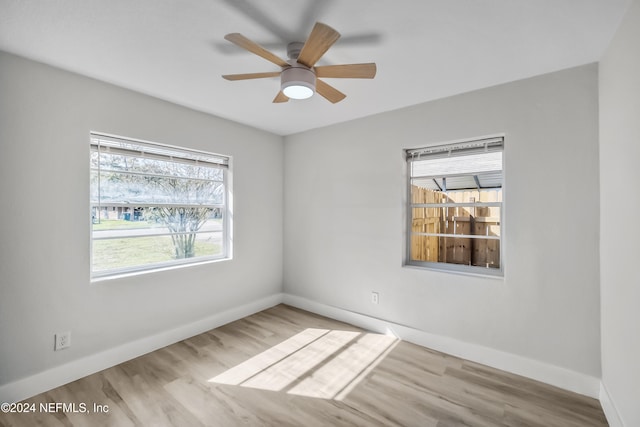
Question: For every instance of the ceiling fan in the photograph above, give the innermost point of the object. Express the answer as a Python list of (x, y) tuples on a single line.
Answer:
[(299, 77)]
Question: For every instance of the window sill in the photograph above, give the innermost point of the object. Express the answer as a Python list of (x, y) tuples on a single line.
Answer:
[(133, 273), (480, 273)]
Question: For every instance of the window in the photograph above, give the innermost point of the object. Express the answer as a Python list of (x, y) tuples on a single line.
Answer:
[(455, 206), (154, 206)]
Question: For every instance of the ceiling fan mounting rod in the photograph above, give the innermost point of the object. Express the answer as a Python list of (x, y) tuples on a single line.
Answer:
[(293, 50)]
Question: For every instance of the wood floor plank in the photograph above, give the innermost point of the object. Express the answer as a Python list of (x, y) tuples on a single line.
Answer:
[(288, 367)]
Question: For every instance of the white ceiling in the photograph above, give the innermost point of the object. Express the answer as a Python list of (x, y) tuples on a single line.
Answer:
[(424, 49)]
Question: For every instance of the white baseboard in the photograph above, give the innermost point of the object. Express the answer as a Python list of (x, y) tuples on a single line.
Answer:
[(71, 371), (530, 368), (559, 377), (610, 411)]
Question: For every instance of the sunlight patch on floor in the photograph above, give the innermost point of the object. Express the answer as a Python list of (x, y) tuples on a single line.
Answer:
[(318, 363)]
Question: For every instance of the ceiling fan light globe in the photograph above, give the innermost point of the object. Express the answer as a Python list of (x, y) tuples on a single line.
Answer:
[(298, 90), (298, 82)]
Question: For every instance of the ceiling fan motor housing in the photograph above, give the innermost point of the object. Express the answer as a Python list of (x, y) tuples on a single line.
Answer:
[(298, 81)]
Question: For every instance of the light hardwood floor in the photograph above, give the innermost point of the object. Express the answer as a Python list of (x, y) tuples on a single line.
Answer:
[(288, 367)]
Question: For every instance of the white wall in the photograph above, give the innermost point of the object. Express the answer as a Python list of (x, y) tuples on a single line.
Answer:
[(619, 210), (344, 192), (45, 118), (344, 220)]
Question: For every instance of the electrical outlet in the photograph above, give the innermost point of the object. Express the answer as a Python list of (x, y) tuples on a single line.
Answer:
[(374, 297), (63, 340)]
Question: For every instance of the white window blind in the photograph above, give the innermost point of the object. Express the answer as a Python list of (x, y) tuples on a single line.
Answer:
[(478, 146)]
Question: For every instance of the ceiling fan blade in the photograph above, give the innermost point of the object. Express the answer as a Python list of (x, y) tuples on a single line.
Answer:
[(251, 76), (253, 47), (332, 94), (280, 97), (322, 37), (348, 71)]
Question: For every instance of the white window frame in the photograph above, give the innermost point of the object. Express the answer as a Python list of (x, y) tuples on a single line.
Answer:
[(140, 148), (459, 148)]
